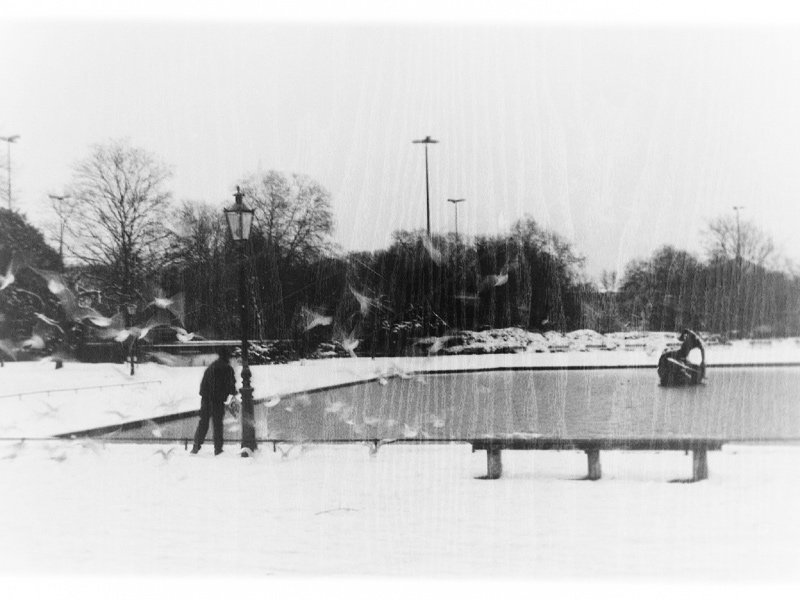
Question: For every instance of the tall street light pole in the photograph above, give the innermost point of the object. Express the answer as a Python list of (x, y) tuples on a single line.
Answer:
[(240, 220), (427, 141), (61, 224), (738, 275), (9, 140), (738, 237), (455, 202)]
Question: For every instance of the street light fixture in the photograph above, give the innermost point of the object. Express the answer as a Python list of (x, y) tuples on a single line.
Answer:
[(455, 202), (240, 221), (427, 141), (9, 140)]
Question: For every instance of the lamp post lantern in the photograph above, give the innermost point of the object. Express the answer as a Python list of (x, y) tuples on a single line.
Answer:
[(427, 141), (240, 220), (9, 140)]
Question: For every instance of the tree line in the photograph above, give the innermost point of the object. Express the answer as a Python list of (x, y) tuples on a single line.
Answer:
[(123, 241)]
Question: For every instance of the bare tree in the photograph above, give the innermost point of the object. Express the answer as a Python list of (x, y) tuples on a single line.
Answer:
[(293, 213), (727, 238), (197, 263), (119, 193)]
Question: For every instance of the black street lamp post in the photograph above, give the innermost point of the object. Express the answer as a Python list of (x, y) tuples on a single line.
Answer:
[(240, 220)]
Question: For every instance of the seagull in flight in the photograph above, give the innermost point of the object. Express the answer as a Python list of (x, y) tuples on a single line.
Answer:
[(154, 428), (55, 282), (165, 454), (173, 304), (9, 278), (435, 254), (502, 277), (122, 415), (119, 333), (41, 333), (375, 445), (348, 341), (47, 320), (365, 303), (7, 348), (313, 319), (180, 232), (185, 336)]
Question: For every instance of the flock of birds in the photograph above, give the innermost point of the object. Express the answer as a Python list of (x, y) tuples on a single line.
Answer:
[(171, 309), (168, 310)]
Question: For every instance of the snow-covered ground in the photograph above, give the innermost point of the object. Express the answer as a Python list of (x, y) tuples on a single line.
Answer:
[(409, 511), (71, 507)]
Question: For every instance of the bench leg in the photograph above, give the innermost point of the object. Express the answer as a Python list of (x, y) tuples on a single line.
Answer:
[(494, 463), (595, 472), (699, 464)]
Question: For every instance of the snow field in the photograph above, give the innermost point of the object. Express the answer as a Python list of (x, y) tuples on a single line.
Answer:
[(84, 508), (412, 511)]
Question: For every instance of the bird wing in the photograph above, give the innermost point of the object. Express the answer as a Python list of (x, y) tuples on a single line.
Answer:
[(433, 251), (55, 282), (45, 330), (159, 320), (95, 317), (48, 321), (34, 342), (8, 349), (177, 306), (69, 303), (114, 329)]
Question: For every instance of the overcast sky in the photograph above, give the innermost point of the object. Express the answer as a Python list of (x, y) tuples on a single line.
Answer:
[(620, 138)]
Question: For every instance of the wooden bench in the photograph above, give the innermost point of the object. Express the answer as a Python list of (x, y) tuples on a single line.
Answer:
[(592, 446)]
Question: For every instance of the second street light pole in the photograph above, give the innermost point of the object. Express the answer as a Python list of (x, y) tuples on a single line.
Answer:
[(9, 140), (455, 202), (738, 238), (738, 272), (61, 224), (427, 141)]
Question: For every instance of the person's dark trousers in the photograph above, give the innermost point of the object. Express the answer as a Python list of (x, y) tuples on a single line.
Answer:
[(210, 411)]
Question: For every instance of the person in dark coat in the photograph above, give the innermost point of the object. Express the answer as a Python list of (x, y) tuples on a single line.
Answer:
[(218, 383), (674, 368)]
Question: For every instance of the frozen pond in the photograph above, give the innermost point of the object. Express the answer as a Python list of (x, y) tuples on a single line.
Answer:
[(736, 403)]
